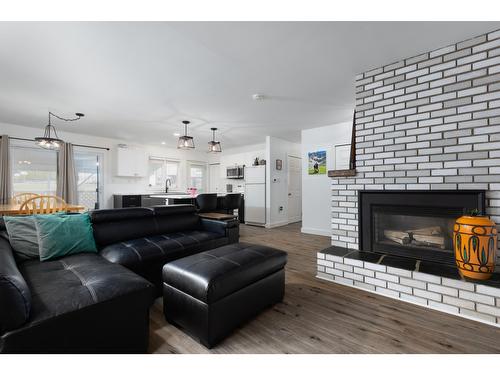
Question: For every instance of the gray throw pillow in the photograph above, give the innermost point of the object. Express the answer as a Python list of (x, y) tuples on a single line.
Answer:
[(22, 236)]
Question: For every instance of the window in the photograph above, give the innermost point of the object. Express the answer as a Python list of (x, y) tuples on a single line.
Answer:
[(162, 169), (196, 176), (88, 165), (34, 170)]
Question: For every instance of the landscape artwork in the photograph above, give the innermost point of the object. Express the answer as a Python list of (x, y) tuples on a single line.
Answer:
[(317, 162)]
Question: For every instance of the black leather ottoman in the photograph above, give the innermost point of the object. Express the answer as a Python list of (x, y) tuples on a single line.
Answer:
[(209, 294)]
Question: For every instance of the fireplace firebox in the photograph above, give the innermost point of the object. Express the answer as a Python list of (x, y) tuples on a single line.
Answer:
[(414, 224)]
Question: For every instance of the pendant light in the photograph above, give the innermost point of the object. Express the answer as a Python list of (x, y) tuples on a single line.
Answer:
[(185, 142), (214, 146), (50, 139)]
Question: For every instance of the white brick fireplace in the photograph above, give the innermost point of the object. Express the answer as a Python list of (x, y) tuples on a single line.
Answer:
[(428, 122)]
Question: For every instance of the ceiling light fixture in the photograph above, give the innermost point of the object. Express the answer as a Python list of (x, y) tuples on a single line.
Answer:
[(50, 140), (214, 146), (185, 142), (258, 97)]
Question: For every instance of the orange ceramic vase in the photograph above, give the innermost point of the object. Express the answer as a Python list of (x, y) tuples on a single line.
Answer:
[(475, 244)]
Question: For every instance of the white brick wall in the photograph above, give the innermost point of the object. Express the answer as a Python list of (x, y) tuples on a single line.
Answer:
[(426, 122), (469, 300)]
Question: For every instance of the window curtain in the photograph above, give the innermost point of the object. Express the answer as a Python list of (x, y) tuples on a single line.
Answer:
[(5, 175), (66, 174)]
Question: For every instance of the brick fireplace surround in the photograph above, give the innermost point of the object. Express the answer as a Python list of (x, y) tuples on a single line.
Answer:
[(428, 122)]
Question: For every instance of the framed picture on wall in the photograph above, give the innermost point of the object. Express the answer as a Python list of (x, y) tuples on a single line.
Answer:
[(317, 162), (342, 154)]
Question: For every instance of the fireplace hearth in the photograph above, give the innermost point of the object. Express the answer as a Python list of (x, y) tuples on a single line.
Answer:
[(414, 224)]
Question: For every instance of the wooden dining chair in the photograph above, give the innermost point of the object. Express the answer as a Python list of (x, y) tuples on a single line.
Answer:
[(43, 204), (23, 197)]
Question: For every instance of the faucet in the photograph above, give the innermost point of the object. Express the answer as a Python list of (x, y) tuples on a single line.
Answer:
[(168, 183)]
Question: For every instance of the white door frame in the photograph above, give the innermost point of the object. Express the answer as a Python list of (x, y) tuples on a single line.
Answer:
[(297, 218)]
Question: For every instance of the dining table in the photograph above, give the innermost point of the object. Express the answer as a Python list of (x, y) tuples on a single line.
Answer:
[(11, 209)]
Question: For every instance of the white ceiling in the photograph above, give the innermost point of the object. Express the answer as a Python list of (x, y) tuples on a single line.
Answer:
[(137, 80)]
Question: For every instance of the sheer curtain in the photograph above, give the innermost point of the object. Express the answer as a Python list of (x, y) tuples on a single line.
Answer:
[(66, 174), (5, 177)]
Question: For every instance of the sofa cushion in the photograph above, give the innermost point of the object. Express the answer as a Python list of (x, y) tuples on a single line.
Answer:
[(15, 296), (122, 224), (74, 282), (22, 236), (62, 235), (155, 249), (214, 274), (174, 210), (175, 218)]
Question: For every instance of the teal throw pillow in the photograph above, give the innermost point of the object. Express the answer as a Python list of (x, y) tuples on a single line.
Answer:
[(61, 235)]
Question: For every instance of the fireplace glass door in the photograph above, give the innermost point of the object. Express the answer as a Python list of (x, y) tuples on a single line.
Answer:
[(403, 233)]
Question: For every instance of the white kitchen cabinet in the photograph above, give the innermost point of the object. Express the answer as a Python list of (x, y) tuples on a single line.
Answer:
[(131, 162)]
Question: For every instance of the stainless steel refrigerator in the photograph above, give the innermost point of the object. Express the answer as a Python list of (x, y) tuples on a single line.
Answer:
[(255, 195)]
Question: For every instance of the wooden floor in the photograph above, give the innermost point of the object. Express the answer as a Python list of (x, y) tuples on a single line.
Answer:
[(322, 317)]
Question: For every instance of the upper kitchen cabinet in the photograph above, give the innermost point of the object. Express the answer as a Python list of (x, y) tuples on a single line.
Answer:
[(131, 162)]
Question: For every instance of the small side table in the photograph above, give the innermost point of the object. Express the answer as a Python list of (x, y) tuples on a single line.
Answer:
[(217, 216)]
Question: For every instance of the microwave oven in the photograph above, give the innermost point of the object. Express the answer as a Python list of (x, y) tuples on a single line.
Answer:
[(236, 172)]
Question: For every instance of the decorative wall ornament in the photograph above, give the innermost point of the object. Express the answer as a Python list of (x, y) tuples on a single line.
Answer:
[(342, 155), (317, 162), (348, 170)]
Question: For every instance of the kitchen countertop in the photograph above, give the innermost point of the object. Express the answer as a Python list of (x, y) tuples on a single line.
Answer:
[(150, 193), (185, 196), (173, 195)]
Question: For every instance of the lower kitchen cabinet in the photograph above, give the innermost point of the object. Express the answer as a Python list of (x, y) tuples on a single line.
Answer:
[(136, 200)]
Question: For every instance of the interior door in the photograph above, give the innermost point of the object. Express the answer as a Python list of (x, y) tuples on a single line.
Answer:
[(294, 189), (214, 178)]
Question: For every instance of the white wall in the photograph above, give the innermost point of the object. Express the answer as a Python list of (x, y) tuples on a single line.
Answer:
[(112, 183), (244, 155), (277, 180), (316, 189)]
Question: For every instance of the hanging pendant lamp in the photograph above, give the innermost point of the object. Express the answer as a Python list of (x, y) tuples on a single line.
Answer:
[(50, 139), (185, 142), (214, 146)]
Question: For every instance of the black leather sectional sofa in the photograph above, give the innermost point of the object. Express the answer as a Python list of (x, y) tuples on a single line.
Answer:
[(93, 303)]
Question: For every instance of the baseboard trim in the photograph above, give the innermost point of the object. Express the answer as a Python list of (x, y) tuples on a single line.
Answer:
[(278, 224), (318, 232)]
